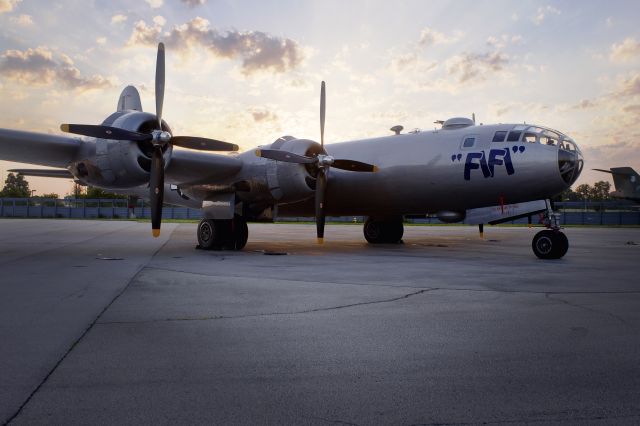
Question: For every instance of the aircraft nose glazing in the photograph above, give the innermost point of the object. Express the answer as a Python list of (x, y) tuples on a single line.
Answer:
[(570, 161)]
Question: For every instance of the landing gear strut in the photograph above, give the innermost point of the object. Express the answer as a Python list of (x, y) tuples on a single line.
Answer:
[(550, 243), (383, 231), (229, 234)]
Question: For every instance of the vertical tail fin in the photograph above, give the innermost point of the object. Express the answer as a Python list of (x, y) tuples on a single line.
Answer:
[(129, 100), (627, 181)]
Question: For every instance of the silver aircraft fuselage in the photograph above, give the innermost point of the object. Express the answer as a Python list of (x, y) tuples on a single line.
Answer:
[(429, 171)]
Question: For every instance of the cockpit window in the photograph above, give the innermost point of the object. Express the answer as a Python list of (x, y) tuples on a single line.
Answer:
[(499, 136), (468, 142), (514, 136), (549, 138), (530, 137)]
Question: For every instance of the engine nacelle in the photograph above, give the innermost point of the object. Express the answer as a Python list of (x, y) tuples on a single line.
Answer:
[(289, 182), (447, 216), (121, 164)]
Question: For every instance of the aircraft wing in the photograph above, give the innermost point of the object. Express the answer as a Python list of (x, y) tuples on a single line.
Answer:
[(198, 167), (38, 148), (54, 173)]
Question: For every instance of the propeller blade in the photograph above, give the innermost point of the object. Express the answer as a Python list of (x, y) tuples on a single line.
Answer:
[(287, 157), (160, 83), (104, 132), (321, 187), (203, 144), (354, 166), (323, 108), (156, 187)]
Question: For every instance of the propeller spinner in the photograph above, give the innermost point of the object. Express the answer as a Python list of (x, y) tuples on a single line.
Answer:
[(323, 163), (159, 139)]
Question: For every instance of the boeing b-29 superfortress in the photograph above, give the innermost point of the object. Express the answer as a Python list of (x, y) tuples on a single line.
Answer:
[(463, 171)]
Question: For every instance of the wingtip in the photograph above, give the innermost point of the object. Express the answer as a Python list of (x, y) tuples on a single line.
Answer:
[(155, 233)]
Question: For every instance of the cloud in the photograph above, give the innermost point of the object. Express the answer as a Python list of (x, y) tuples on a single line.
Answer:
[(629, 86), (101, 40), (159, 20), (193, 3), (8, 5), (585, 104), (263, 115), (543, 12), (499, 42), (402, 63), (258, 51), (38, 67), (154, 4), (118, 19), (22, 20), (430, 37), (632, 109), (627, 50), (474, 66)]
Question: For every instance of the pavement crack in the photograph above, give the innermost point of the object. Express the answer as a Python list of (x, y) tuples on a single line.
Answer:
[(81, 337), (335, 422), (554, 297), (296, 280), (269, 314), (545, 420)]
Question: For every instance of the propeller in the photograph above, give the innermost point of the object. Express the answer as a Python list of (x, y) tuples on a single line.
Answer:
[(158, 138), (323, 163)]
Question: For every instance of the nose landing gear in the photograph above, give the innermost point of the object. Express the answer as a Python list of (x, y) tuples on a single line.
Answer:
[(550, 243)]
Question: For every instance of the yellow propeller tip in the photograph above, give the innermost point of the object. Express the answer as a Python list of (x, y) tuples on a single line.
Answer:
[(258, 153), (320, 240), (482, 235), (64, 127), (155, 232), (375, 169)]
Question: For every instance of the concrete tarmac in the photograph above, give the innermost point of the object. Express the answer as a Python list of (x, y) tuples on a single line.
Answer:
[(102, 324)]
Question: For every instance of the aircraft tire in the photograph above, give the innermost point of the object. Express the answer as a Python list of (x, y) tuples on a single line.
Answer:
[(550, 244), (387, 231), (223, 234), (240, 232), (208, 231)]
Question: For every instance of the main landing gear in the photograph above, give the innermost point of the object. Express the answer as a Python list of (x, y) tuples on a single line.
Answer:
[(214, 234), (383, 230), (550, 243)]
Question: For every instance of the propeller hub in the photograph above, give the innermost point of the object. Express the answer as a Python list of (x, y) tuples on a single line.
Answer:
[(325, 160), (160, 137)]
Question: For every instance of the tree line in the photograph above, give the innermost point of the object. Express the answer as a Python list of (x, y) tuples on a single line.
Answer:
[(16, 186), (599, 191)]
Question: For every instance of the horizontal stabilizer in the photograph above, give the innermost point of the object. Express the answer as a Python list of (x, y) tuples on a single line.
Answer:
[(54, 173), (623, 171), (498, 214)]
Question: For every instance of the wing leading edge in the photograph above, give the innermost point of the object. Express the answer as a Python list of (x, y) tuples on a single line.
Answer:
[(38, 148)]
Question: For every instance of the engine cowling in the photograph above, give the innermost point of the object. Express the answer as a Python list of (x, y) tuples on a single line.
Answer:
[(121, 164), (288, 182)]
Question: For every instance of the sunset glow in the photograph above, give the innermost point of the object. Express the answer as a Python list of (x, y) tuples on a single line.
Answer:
[(249, 72)]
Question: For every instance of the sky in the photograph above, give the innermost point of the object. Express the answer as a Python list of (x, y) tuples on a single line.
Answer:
[(249, 72)]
